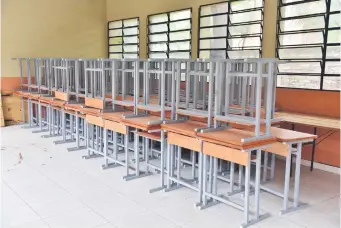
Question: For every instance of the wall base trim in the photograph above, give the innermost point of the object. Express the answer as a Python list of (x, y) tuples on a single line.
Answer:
[(321, 166)]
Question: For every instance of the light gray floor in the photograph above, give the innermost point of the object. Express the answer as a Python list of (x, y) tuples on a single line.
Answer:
[(55, 188)]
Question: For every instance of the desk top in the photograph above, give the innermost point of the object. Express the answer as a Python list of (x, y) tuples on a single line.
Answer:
[(284, 135), (142, 123), (114, 116), (185, 128), (233, 138), (310, 120)]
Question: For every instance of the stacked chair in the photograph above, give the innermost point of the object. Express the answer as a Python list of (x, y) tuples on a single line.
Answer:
[(212, 133)]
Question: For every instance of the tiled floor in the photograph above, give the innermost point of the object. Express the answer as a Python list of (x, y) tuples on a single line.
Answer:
[(55, 188)]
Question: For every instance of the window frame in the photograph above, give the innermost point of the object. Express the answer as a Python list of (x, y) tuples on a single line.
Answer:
[(168, 41), (323, 46), (123, 36), (228, 24)]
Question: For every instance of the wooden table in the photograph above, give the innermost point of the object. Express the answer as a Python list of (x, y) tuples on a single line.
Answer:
[(310, 120)]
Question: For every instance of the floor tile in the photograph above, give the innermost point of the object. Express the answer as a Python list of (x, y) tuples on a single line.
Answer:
[(36, 224), (80, 218), (18, 215)]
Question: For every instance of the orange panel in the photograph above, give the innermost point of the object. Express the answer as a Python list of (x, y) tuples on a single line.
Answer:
[(94, 103), (277, 148), (115, 126), (321, 103), (95, 120), (61, 96), (184, 141), (226, 153)]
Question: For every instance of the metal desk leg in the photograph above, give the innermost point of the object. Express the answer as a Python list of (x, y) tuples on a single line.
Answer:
[(287, 181), (313, 151)]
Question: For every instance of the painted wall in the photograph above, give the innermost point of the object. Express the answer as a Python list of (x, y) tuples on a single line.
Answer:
[(49, 28), (302, 101)]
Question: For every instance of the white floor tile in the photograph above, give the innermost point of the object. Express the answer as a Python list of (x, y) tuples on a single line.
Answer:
[(18, 215), (36, 224), (80, 218)]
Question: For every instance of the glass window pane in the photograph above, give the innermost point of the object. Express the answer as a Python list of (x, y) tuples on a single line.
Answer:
[(335, 5), (334, 20), (213, 43), (245, 29), (131, 31), (180, 46), (300, 53), (300, 67), (243, 54), (303, 9), (333, 52), (131, 22), (212, 54), (158, 47), (301, 38), (213, 9), (158, 28), (157, 55), (130, 48), (178, 15), (214, 20), (245, 42), (130, 56), (331, 83), (116, 32), (129, 40), (299, 81), (179, 55), (213, 32), (246, 4), (180, 35), (246, 17), (332, 67), (179, 25), (117, 48), (158, 18), (115, 24), (334, 36), (116, 40), (302, 24), (158, 37), (115, 56)]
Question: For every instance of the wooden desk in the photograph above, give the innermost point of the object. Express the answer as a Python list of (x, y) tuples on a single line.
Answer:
[(310, 120)]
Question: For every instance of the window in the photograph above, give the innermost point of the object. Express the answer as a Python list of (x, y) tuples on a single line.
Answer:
[(123, 38), (308, 35), (169, 34), (231, 29)]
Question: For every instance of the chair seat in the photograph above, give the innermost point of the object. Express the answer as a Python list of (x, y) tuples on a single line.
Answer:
[(234, 138), (143, 123), (185, 128)]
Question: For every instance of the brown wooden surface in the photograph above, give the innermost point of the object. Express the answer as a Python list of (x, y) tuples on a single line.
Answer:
[(94, 102), (310, 120), (191, 143), (79, 108), (226, 153), (95, 120), (154, 136), (284, 135), (185, 128), (58, 103), (233, 138), (46, 100), (114, 116), (61, 96), (115, 126), (142, 122)]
